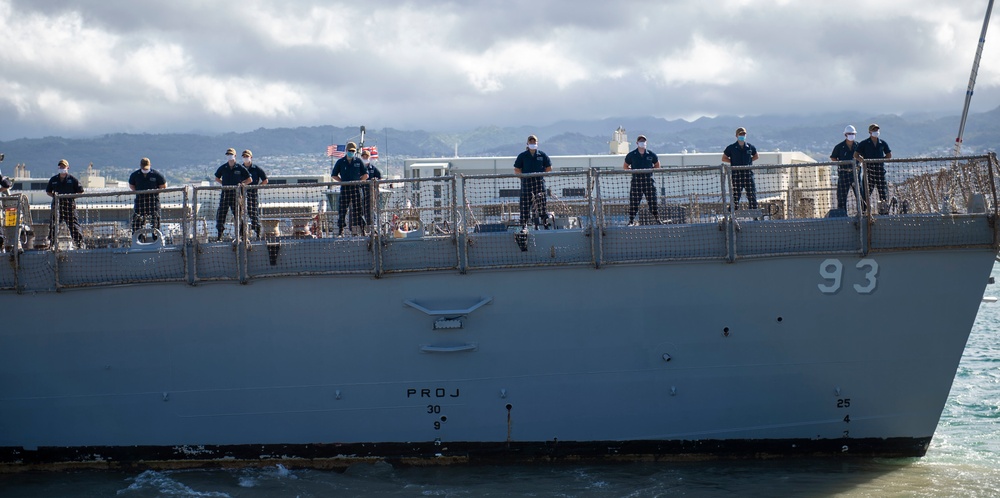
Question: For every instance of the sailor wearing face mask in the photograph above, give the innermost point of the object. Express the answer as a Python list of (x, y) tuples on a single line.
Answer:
[(533, 202), (373, 174), (147, 206), (65, 183), (258, 177), (874, 148), (742, 153), (229, 174), (642, 183), (5, 183), (350, 169), (846, 174)]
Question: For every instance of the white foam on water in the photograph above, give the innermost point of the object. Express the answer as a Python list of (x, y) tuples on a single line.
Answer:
[(252, 478), (163, 485)]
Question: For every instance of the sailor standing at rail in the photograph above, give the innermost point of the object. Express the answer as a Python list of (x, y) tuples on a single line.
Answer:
[(350, 169), (147, 206), (257, 177), (533, 203), (742, 153), (373, 174), (642, 183), (229, 174), (5, 182), (846, 174), (65, 183), (873, 148)]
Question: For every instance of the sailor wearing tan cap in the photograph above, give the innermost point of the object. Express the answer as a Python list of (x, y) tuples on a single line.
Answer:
[(533, 201), (875, 148), (257, 177), (373, 174), (65, 183), (350, 168), (147, 206), (5, 183), (229, 174), (742, 153), (642, 183)]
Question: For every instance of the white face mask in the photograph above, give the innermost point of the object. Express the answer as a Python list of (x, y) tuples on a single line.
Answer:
[(145, 169), (247, 161), (875, 133), (230, 157), (365, 160), (851, 136), (63, 171), (532, 146), (642, 145)]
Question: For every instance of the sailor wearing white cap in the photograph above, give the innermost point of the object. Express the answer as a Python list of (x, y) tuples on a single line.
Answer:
[(847, 174)]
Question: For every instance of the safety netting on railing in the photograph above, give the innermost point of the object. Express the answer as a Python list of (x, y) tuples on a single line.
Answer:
[(528, 220), (115, 237), (590, 217), (929, 202), (216, 217), (956, 185), (305, 229), (784, 191), (661, 214), (417, 224), (16, 236), (797, 208)]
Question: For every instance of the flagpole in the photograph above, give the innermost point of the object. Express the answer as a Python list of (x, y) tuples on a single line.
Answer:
[(972, 80)]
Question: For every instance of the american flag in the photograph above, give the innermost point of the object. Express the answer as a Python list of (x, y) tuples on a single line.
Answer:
[(373, 150), (336, 150)]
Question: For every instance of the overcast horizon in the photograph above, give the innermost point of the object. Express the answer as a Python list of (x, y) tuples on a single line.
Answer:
[(77, 69)]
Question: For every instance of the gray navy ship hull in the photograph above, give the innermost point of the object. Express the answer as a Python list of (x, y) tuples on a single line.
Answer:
[(668, 360), (449, 333)]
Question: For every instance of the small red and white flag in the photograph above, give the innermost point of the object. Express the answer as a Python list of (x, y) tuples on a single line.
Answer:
[(373, 150)]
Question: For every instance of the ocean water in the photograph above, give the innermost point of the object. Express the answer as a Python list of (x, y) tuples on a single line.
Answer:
[(963, 461)]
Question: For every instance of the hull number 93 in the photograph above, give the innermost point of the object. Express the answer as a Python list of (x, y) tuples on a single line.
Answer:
[(832, 271)]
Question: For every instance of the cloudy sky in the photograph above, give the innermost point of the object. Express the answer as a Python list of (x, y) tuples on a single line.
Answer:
[(89, 67)]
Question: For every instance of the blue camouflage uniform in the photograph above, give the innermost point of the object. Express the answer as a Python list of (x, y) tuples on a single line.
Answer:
[(230, 176), (146, 206), (67, 207), (350, 170), (257, 175), (642, 183), (846, 175), (373, 174), (533, 201), (874, 148), (742, 179)]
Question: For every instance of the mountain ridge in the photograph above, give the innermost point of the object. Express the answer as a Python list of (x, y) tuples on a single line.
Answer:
[(186, 157)]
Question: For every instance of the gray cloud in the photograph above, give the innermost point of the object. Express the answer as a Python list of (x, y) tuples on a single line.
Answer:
[(74, 67)]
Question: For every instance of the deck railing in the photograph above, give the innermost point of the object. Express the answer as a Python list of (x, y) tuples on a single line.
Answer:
[(473, 223)]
